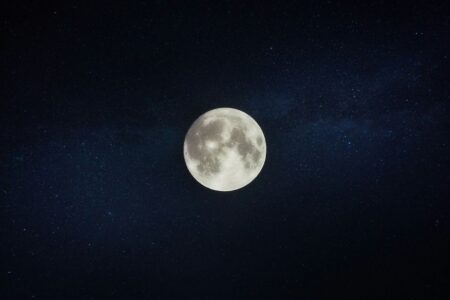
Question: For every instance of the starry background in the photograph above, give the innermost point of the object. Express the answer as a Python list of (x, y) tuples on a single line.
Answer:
[(96, 201)]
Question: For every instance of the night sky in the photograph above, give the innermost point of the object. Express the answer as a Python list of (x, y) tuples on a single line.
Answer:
[(96, 201)]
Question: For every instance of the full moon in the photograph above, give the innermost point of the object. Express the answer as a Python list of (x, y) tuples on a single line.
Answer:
[(225, 149)]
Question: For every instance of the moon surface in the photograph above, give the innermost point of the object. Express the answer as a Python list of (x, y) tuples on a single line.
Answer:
[(225, 149)]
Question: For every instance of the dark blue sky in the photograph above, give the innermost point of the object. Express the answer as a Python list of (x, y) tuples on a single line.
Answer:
[(96, 200)]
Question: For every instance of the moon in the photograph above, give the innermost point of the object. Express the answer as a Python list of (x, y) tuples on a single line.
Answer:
[(225, 149)]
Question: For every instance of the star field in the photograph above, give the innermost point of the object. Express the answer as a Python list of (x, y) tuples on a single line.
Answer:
[(96, 201)]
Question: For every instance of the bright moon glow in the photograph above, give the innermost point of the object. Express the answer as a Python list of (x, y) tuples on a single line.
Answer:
[(225, 149)]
